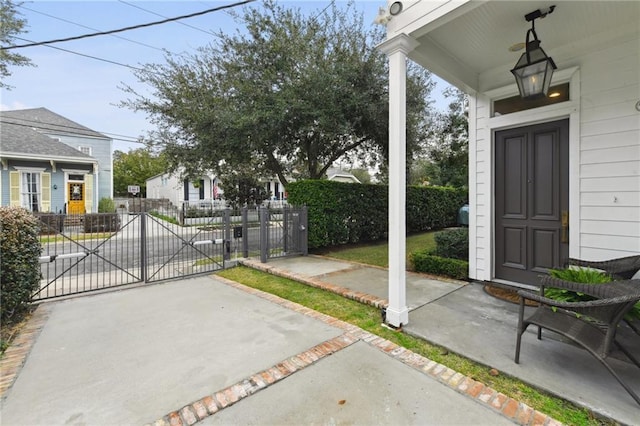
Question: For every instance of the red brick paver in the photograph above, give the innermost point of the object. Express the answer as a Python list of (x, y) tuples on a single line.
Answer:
[(16, 355)]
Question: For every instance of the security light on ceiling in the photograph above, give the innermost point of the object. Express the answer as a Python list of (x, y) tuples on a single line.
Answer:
[(534, 69), (395, 8)]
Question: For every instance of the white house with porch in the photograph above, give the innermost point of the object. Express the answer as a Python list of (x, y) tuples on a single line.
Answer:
[(549, 177)]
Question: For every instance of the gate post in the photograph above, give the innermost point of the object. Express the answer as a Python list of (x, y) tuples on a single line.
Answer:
[(143, 246), (303, 235), (245, 232), (264, 234), (227, 235), (285, 229)]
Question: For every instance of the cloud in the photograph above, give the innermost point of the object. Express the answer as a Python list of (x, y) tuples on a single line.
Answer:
[(13, 105)]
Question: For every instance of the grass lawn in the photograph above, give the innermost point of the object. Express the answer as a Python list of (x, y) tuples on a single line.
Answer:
[(377, 254)]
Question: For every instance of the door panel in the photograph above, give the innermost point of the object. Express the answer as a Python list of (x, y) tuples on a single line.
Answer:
[(531, 192), (544, 252), (76, 198), (514, 239), (515, 179)]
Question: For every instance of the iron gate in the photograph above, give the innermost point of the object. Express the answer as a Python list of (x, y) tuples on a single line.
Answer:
[(283, 232), (84, 253), (87, 252)]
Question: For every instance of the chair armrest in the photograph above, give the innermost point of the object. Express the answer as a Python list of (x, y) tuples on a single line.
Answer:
[(600, 291), (579, 305), (623, 268)]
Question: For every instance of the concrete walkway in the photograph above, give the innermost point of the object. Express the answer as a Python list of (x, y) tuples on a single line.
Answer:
[(210, 350), (463, 318)]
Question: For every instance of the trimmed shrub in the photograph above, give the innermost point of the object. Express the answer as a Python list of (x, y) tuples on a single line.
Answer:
[(342, 213), (423, 261), (452, 243), (106, 205), (19, 264), (101, 222), (50, 223)]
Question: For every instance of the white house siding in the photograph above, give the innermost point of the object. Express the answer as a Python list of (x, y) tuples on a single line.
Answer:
[(166, 186), (171, 187), (610, 151), (480, 189)]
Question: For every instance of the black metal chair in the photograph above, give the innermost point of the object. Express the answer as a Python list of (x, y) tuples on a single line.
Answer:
[(592, 325)]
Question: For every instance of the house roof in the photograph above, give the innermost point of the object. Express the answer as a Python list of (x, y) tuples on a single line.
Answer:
[(334, 173), (48, 122), (18, 140)]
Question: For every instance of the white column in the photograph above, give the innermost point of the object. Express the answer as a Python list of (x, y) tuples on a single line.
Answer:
[(396, 49)]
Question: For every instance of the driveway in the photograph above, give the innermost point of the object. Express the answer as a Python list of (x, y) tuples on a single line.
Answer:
[(206, 349)]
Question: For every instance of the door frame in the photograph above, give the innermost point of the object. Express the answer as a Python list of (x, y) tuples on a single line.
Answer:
[(67, 181), (482, 223)]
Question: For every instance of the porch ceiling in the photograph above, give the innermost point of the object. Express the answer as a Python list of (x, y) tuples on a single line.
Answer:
[(469, 47)]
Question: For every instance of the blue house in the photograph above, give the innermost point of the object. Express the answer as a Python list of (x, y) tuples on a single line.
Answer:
[(52, 164)]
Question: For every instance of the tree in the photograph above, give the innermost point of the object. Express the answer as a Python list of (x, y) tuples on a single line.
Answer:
[(134, 168), (448, 151), (243, 189), (12, 25), (287, 98), (363, 175)]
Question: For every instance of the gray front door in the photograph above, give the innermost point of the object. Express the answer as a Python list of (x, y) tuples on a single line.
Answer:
[(532, 200)]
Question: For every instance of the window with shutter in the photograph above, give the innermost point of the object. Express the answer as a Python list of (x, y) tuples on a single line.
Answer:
[(30, 189)]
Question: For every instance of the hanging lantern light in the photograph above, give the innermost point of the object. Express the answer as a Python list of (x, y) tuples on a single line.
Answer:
[(534, 69)]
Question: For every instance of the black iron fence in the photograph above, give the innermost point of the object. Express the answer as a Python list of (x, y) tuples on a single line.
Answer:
[(82, 253)]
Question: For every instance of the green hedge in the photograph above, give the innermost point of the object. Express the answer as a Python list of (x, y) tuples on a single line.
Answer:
[(19, 262), (424, 262), (452, 243), (433, 207), (342, 213)]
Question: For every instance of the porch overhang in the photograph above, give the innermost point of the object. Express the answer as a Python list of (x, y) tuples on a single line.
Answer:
[(467, 43)]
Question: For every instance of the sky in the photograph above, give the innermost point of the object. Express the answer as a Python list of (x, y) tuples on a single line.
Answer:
[(88, 90)]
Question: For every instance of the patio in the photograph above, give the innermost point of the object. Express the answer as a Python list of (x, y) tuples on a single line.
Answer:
[(466, 320)]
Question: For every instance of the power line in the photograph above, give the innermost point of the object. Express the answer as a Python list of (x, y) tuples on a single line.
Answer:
[(84, 26), (134, 27), (323, 10), (162, 16), (88, 56), (72, 130)]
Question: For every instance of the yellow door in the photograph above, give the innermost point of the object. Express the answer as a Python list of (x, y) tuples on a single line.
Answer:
[(76, 198)]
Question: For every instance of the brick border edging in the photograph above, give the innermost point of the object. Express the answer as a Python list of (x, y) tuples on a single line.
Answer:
[(16, 354), (358, 296), (192, 413)]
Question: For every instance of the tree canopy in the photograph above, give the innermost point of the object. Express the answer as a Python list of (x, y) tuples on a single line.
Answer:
[(134, 168), (11, 26), (286, 98), (448, 147)]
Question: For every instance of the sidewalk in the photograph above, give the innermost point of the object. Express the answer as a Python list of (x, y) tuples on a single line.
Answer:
[(211, 350), (464, 319)]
